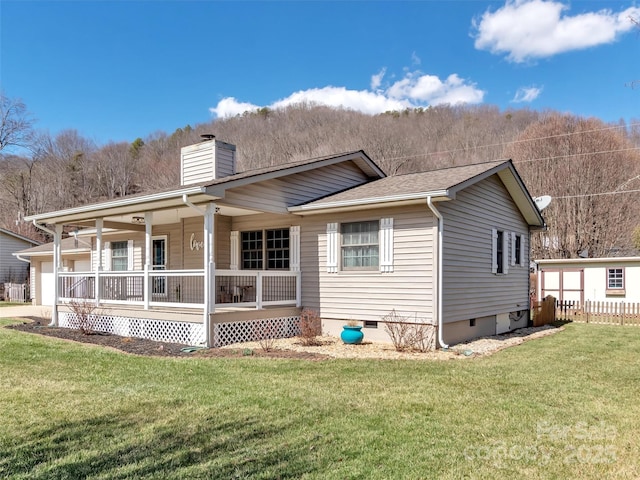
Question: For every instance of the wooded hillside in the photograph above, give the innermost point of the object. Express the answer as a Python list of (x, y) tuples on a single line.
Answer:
[(583, 164)]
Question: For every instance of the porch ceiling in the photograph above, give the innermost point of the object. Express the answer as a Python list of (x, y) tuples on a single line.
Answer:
[(121, 214), (175, 215)]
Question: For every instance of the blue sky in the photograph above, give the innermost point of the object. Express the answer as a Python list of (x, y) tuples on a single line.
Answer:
[(118, 70)]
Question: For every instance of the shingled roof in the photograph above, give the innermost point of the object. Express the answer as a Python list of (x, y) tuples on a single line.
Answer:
[(439, 184), (410, 184)]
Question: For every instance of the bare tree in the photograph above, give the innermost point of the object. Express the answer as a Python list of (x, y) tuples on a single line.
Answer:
[(580, 163), (16, 125), (115, 170)]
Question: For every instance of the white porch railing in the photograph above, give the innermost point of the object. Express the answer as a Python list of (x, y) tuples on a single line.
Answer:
[(257, 288), (183, 288)]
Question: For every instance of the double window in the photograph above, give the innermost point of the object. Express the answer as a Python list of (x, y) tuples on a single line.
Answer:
[(265, 249)]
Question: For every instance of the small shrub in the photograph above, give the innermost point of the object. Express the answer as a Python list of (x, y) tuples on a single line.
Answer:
[(416, 335), (398, 329), (310, 327), (265, 333), (84, 318), (423, 336)]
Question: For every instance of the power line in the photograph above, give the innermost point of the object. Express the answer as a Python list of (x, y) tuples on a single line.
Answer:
[(555, 157), (513, 142), (596, 194)]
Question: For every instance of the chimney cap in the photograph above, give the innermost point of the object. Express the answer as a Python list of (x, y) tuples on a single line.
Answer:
[(207, 136)]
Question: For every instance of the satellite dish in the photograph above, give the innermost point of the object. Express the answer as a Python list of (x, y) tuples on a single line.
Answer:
[(542, 202)]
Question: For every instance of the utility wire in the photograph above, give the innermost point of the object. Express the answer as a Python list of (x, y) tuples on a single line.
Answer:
[(596, 194), (555, 157), (513, 142)]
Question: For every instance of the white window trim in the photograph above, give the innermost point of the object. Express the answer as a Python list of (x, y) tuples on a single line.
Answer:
[(332, 248), (505, 253), (385, 244), (130, 265), (107, 263), (235, 250), (609, 287), (494, 252), (239, 264), (523, 240), (385, 247), (294, 248)]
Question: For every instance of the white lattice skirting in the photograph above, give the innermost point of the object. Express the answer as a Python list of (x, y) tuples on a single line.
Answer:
[(254, 330), (186, 333)]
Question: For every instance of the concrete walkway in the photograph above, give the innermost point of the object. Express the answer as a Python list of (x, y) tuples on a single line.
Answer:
[(25, 311)]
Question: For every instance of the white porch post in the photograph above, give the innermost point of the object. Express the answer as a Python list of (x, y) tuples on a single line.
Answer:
[(209, 268), (57, 237), (99, 265), (148, 239)]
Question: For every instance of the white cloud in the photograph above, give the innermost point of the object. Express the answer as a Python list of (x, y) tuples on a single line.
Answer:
[(526, 94), (376, 80), (530, 29), (415, 59), (229, 107), (414, 90)]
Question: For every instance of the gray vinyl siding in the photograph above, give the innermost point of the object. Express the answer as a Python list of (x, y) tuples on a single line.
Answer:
[(12, 269), (370, 295), (470, 289), (276, 195)]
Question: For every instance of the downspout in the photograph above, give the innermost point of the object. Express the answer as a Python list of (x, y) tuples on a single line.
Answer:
[(439, 268), (186, 201)]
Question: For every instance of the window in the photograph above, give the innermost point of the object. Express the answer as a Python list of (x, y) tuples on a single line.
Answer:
[(360, 245), (120, 256), (278, 249), (500, 252), (517, 250), (615, 279), (252, 250), (275, 249)]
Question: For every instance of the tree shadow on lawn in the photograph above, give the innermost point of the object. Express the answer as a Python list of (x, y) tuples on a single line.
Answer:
[(108, 447)]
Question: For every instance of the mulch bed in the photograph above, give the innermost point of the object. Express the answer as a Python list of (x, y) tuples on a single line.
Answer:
[(140, 346)]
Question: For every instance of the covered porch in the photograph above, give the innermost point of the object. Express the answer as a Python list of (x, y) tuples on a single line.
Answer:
[(181, 256)]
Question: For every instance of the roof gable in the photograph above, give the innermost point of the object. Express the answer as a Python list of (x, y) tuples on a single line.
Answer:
[(206, 191), (440, 185), (19, 237)]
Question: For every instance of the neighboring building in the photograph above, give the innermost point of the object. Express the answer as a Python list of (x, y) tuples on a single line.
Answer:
[(614, 279), (12, 269), (76, 256), (227, 253)]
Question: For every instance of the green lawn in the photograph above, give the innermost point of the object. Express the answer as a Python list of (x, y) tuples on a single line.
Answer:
[(565, 406)]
